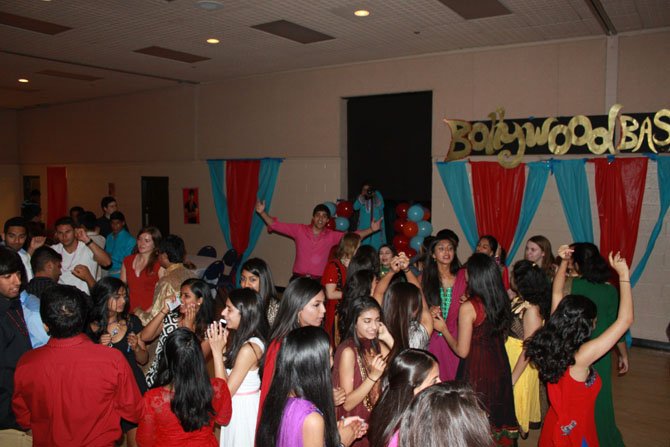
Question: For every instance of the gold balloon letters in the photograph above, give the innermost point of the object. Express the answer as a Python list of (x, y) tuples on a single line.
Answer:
[(496, 136)]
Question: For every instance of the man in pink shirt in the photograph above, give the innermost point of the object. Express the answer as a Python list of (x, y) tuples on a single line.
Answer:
[(312, 242)]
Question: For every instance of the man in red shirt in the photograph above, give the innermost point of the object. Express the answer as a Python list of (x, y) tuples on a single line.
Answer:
[(312, 242), (72, 391)]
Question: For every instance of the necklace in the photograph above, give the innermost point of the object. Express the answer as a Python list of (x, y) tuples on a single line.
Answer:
[(367, 401), (445, 300)]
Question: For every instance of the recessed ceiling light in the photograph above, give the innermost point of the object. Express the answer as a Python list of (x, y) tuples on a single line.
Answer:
[(23, 80), (361, 13), (209, 5), (213, 40)]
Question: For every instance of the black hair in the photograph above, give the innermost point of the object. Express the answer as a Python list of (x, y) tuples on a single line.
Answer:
[(365, 258), (303, 370), (408, 370), (259, 268), (531, 283), (104, 203), (101, 292), (447, 233), (430, 276), (88, 220), (296, 296), (402, 305), (77, 209), (182, 365), (65, 220), (552, 349), (454, 415), (589, 262), (358, 285), (30, 210), (321, 207), (16, 222), (173, 246), (485, 282), (10, 262), (63, 309), (42, 256), (252, 322), (117, 215), (205, 315)]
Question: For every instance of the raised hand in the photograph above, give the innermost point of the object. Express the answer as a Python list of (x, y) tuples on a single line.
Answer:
[(217, 337), (384, 335), (106, 339), (260, 206), (189, 317), (376, 225), (81, 235), (565, 252), (619, 264), (82, 272), (36, 242), (376, 367)]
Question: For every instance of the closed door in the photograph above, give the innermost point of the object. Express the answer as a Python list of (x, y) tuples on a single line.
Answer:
[(156, 203)]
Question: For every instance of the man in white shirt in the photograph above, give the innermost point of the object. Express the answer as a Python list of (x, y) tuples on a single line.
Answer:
[(81, 255)]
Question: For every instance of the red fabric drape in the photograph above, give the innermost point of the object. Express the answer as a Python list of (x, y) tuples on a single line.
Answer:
[(56, 194), (619, 192), (497, 194), (241, 191)]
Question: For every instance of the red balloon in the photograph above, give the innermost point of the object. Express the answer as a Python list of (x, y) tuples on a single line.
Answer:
[(345, 209), (401, 209), (400, 242), (410, 252), (426, 214), (399, 224), (410, 229), (331, 224)]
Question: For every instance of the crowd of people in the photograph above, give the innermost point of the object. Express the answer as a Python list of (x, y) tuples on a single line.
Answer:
[(109, 335)]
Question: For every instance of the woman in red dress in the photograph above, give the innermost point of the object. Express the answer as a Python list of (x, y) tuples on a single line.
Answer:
[(185, 404), (333, 279), (564, 356), (140, 270)]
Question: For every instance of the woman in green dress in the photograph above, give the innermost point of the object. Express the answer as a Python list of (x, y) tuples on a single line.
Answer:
[(591, 273)]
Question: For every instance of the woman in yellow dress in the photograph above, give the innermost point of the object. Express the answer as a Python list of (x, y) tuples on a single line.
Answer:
[(530, 307)]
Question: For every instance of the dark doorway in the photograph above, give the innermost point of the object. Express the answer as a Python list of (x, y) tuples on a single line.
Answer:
[(389, 140), (31, 183), (156, 203)]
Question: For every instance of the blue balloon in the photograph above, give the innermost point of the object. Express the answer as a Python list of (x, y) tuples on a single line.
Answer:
[(415, 213), (331, 207), (416, 242), (341, 223), (425, 228)]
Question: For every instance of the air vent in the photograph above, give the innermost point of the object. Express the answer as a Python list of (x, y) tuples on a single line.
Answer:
[(293, 31), (167, 53), (29, 24)]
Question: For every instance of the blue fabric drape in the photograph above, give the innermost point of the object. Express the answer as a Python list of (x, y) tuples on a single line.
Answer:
[(217, 177), (455, 179), (663, 167), (538, 173), (574, 191), (267, 180)]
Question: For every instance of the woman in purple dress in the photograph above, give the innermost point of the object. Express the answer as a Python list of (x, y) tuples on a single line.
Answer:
[(296, 412)]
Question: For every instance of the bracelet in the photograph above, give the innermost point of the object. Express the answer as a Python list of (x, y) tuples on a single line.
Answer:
[(373, 380)]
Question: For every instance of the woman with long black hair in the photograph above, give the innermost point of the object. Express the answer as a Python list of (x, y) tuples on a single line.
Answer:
[(196, 312), (297, 412), (244, 344), (360, 360), (184, 405), (483, 323), (409, 373), (110, 323), (256, 275)]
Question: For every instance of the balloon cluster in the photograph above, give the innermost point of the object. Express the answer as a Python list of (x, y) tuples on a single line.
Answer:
[(339, 214), (412, 227)]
